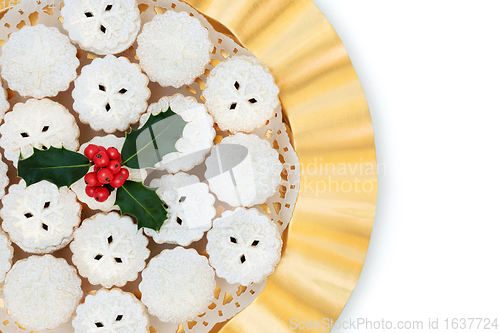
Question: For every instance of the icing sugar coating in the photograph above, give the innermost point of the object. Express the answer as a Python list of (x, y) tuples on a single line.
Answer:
[(40, 218), (6, 254), (4, 104), (42, 292), (241, 94), (38, 61), (190, 209), (173, 49), (111, 311), (108, 249), (110, 94), (197, 137), (37, 124), (177, 285), (103, 26), (244, 246), (256, 177), (4, 180)]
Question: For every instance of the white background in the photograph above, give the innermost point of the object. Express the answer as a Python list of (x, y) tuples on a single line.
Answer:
[(431, 74)]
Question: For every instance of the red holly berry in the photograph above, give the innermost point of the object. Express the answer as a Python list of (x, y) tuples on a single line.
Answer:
[(114, 154), (101, 159), (104, 175), (102, 148), (124, 172), (90, 190), (101, 194), (90, 151), (91, 179), (114, 166), (117, 181)]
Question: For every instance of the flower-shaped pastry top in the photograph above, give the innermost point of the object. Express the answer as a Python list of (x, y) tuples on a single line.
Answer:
[(42, 292), (6, 254), (197, 137), (243, 170), (4, 103), (178, 285), (244, 246), (38, 61), (110, 94), (173, 49), (190, 209), (110, 311), (108, 249), (37, 124), (40, 218), (102, 26), (241, 94)]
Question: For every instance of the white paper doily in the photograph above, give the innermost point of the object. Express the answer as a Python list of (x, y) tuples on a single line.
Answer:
[(230, 299)]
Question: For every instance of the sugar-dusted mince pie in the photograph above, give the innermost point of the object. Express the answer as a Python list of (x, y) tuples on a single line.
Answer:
[(4, 180), (38, 61), (251, 179), (244, 246), (42, 292), (4, 103), (190, 209), (40, 218), (111, 311), (6, 254), (110, 94), (173, 49), (177, 285), (103, 26), (78, 187), (37, 124), (109, 250), (197, 137), (241, 94)]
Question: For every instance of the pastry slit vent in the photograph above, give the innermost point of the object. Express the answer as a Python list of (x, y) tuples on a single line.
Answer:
[(119, 317), (252, 100), (179, 221), (233, 240), (110, 239), (122, 91), (89, 14), (182, 199), (108, 7), (237, 85), (103, 29), (46, 205), (99, 325), (242, 258), (43, 147), (24, 134), (233, 106), (98, 257), (45, 227), (118, 260), (102, 88), (255, 243), (108, 107), (28, 215), (45, 128)]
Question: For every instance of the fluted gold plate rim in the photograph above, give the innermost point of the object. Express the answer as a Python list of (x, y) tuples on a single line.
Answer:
[(326, 110), (329, 120)]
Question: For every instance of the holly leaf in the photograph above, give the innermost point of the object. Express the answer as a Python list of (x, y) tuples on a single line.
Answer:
[(57, 165), (143, 203), (145, 147)]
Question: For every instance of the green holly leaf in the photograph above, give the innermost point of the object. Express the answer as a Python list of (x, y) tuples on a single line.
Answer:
[(143, 203), (57, 165), (145, 147)]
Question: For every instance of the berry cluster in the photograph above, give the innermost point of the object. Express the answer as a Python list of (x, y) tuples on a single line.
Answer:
[(108, 173)]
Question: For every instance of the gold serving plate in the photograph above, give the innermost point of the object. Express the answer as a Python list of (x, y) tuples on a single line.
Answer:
[(331, 129)]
